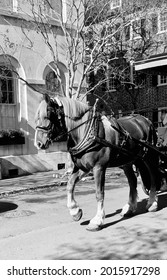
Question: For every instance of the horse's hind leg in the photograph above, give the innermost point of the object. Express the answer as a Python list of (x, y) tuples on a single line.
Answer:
[(130, 208), (72, 205), (97, 222), (152, 203)]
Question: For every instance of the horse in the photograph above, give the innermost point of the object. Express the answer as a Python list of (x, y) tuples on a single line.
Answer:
[(96, 142)]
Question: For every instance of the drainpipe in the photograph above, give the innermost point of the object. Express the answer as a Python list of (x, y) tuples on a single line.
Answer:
[(132, 80), (131, 71), (0, 169)]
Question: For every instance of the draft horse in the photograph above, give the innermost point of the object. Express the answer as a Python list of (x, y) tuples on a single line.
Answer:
[(96, 143)]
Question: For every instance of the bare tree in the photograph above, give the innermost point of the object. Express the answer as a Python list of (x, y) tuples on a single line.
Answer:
[(127, 34), (96, 38), (89, 32)]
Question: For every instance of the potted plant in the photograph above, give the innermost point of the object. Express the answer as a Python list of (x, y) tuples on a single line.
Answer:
[(11, 137)]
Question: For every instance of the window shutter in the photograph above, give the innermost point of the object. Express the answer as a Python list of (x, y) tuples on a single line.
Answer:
[(154, 24), (143, 27), (118, 33), (91, 79), (127, 33), (154, 80)]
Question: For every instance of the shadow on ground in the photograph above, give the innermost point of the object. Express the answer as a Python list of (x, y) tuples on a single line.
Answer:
[(141, 209), (7, 206), (121, 244), (142, 237)]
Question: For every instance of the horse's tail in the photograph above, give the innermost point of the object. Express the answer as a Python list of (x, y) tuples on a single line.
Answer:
[(152, 137)]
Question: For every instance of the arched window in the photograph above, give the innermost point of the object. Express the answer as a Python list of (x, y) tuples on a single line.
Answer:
[(6, 86), (52, 82)]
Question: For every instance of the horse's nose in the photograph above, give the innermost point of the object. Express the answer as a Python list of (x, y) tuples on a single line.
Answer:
[(40, 145)]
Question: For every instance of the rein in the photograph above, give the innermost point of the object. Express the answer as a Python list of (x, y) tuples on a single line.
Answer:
[(83, 145), (68, 132), (49, 127), (44, 128)]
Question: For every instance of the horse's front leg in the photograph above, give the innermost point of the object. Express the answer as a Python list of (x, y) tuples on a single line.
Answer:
[(97, 222), (72, 205), (130, 208)]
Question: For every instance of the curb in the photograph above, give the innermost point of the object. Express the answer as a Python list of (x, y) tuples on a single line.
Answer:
[(29, 189)]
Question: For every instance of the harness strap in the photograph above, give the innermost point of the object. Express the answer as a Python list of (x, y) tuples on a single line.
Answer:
[(110, 145), (88, 139)]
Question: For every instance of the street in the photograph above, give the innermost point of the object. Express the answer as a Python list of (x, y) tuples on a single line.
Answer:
[(37, 225)]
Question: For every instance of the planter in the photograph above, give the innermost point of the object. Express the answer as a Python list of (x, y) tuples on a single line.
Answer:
[(12, 137), (12, 141)]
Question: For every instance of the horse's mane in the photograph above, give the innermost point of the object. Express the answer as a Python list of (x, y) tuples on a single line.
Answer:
[(74, 109)]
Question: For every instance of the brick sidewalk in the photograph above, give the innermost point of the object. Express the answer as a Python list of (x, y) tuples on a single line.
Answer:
[(31, 182), (40, 180)]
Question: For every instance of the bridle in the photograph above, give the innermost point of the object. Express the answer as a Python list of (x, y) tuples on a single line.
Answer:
[(56, 123), (60, 122)]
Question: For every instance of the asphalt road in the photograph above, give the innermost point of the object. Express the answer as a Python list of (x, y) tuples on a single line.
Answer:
[(37, 225)]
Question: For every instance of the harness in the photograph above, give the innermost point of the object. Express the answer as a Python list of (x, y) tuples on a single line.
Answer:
[(88, 142), (92, 140)]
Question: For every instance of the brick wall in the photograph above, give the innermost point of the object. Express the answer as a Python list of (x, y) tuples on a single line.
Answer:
[(146, 99)]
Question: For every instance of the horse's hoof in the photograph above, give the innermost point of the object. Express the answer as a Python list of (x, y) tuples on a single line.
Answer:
[(153, 207), (127, 212), (77, 216), (93, 227)]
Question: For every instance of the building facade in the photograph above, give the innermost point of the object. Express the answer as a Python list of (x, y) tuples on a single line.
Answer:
[(136, 70), (26, 59)]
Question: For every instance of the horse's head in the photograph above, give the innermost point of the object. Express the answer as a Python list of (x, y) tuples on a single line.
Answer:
[(50, 122)]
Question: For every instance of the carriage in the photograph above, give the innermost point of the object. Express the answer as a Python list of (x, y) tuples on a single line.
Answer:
[(161, 150)]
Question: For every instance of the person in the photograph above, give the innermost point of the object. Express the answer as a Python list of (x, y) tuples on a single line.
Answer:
[(165, 120)]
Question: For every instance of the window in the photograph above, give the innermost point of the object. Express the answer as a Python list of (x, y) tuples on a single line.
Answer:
[(138, 28), (159, 22), (162, 111), (6, 86), (111, 82), (115, 4), (52, 82), (10, 5), (51, 8), (162, 79), (163, 22)]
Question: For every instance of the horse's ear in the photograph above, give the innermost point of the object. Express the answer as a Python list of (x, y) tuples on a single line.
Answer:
[(46, 98)]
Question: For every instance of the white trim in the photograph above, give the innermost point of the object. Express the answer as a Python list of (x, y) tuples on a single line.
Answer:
[(116, 6), (159, 22), (159, 80), (15, 6), (36, 82), (111, 90), (151, 64), (64, 10), (133, 34)]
